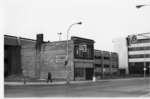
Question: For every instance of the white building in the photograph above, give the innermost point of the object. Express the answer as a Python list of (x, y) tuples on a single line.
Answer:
[(120, 46), (134, 53)]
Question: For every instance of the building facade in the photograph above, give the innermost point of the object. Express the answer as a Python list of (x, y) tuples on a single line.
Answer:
[(134, 53), (44, 57), (120, 47), (105, 64), (139, 53), (35, 58), (12, 54)]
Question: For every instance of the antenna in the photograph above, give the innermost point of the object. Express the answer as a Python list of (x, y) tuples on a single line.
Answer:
[(59, 36)]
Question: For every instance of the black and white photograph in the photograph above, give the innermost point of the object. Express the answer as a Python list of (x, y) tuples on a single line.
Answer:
[(75, 48)]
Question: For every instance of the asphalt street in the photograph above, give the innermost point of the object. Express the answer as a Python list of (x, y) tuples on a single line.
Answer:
[(115, 88)]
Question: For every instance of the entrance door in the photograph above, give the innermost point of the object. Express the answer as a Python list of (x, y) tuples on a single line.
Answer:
[(89, 73)]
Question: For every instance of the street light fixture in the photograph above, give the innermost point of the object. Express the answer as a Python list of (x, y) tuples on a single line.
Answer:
[(67, 58), (139, 6), (59, 36)]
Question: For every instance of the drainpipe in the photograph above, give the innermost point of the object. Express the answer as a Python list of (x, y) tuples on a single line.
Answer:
[(39, 41)]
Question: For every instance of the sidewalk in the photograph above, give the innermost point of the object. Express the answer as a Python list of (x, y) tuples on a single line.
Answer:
[(64, 82), (44, 83)]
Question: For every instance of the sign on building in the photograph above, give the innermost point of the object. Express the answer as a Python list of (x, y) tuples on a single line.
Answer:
[(132, 39), (60, 58), (83, 47)]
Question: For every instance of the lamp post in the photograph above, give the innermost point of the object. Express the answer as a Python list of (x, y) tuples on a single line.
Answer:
[(67, 58)]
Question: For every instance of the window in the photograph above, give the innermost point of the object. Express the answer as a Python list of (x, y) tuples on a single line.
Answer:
[(106, 66), (139, 48), (114, 66), (143, 40), (79, 72), (106, 58), (97, 57), (114, 59), (97, 65), (83, 47), (140, 56), (83, 51)]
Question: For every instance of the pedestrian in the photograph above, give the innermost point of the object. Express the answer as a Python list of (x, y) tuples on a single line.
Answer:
[(49, 77), (24, 77)]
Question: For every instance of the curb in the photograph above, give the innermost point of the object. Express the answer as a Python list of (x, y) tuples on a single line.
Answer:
[(64, 82)]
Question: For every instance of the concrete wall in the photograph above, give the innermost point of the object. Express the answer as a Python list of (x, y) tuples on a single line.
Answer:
[(28, 60), (120, 46)]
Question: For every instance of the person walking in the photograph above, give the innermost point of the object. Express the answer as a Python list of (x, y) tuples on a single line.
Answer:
[(49, 77)]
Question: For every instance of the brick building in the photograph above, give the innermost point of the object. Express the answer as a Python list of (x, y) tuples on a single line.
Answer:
[(105, 64), (43, 57)]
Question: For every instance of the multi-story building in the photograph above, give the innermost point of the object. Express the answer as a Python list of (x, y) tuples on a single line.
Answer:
[(139, 53), (134, 53), (105, 64)]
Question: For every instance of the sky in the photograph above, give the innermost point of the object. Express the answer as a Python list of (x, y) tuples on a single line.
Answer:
[(103, 20)]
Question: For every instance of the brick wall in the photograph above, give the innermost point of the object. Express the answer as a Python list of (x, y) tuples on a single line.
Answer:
[(37, 64), (50, 62)]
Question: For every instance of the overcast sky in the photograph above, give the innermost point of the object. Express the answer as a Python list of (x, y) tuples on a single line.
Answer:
[(103, 20)]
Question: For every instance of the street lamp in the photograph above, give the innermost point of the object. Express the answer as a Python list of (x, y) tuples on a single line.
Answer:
[(67, 58), (139, 6)]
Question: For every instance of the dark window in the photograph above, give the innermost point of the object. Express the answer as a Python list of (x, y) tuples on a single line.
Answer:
[(137, 67), (143, 40), (106, 58), (140, 56), (106, 66), (83, 51), (97, 65), (97, 57), (148, 64), (139, 48)]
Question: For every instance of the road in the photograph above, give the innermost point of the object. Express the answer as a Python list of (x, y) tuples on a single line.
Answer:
[(115, 88)]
